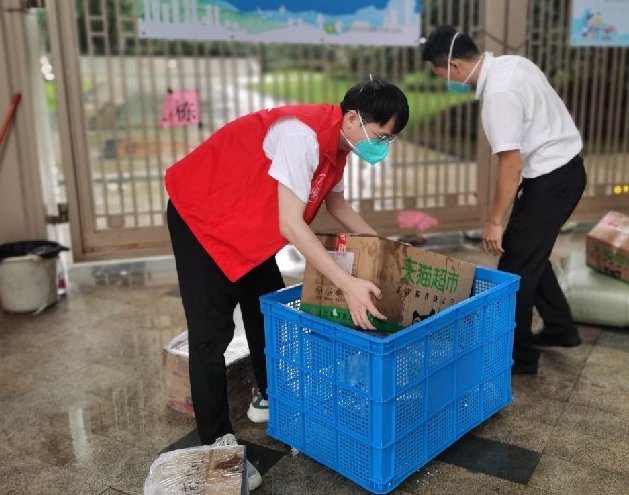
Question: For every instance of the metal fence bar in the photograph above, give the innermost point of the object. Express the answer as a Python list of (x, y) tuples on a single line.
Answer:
[(625, 144), (566, 56), (142, 96), (600, 64), (129, 141), (206, 89), (223, 80), (155, 115), (181, 132), (113, 221), (611, 137), (90, 35), (170, 65)]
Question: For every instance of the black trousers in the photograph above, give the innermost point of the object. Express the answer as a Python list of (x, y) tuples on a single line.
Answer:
[(209, 299), (542, 205)]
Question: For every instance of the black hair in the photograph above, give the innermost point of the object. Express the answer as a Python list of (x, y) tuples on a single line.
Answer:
[(437, 46), (377, 101)]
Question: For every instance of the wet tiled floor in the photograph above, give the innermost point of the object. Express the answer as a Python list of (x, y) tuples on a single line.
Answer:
[(82, 408)]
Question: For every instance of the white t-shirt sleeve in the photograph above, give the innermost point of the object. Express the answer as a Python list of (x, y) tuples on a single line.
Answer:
[(293, 149), (503, 119)]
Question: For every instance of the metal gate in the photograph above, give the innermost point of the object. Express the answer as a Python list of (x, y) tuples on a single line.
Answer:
[(594, 83), (111, 85)]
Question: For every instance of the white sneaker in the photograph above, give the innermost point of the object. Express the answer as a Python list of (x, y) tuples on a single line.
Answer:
[(254, 480), (258, 411)]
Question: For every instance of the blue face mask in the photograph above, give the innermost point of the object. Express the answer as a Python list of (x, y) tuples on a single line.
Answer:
[(456, 86), (369, 150)]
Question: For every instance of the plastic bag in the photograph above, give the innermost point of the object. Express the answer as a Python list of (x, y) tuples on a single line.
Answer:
[(43, 249), (594, 298), (202, 470)]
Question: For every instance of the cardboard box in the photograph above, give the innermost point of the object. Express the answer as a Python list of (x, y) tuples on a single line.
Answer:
[(608, 246), (176, 374), (177, 356), (415, 283), (200, 470)]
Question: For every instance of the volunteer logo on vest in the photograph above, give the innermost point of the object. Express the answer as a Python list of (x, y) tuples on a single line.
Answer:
[(317, 184)]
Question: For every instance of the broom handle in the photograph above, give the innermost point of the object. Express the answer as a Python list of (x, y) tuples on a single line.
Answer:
[(15, 101)]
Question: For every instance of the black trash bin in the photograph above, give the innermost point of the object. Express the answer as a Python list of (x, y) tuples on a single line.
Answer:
[(28, 275)]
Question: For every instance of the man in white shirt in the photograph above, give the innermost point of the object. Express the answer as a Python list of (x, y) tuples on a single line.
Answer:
[(538, 145)]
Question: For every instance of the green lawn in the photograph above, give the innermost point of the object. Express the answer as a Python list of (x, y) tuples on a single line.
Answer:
[(314, 87), (51, 93)]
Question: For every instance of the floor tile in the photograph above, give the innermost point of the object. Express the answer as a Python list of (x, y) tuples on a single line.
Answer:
[(559, 476), (614, 359), (531, 490), (111, 491), (615, 339), (138, 415), (497, 459), (609, 454), (299, 474), (516, 431), (26, 475), (131, 478), (595, 422), (439, 478), (603, 386)]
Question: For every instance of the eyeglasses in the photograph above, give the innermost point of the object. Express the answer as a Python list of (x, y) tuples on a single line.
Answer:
[(385, 139), (380, 137)]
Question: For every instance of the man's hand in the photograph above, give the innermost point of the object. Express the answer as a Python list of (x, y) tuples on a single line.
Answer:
[(509, 172), (357, 294), (357, 291), (492, 239)]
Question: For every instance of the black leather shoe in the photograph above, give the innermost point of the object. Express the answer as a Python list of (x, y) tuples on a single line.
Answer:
[(567, 338), (520, 368)]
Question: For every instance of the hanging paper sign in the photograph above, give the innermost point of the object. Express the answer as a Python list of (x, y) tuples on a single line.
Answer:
[(347, 22), (180, 108), (600, 23)]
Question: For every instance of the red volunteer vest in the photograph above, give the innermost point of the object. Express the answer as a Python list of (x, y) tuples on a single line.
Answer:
[(224, 193)]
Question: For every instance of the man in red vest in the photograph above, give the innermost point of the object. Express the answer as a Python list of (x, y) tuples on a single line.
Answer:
[(242, 195)]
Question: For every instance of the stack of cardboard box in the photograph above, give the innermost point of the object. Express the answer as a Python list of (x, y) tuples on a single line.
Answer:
[(176, 375), (608, 246)]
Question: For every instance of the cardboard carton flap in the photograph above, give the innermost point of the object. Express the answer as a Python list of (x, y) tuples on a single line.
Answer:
[(415, 283)]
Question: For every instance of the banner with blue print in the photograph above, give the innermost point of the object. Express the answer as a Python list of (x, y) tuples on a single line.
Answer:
[(340, 22), (600, 23)]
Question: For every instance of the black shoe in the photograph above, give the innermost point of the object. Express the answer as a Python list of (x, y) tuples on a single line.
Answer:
[(567, 338), (521, 368)]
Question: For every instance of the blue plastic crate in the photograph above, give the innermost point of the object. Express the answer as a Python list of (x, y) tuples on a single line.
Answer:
[(376, 408)]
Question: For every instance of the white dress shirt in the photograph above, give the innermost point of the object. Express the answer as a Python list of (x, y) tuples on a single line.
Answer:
[(521, 111)]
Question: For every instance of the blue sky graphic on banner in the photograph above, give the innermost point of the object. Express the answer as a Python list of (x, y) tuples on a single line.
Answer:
[(600, 23), (348, 22), (329, 7)]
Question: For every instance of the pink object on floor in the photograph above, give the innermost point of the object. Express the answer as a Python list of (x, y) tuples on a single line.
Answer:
[(416, 220)]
